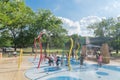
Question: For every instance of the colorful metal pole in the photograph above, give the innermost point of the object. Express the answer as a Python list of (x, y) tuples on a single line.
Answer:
[(69, 66), (20, 58), (40, 44)]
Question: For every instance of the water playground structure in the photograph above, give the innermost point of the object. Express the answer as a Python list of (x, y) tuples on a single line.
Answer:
[(40, 46), (73, 71), (71, 68), (43, 56)]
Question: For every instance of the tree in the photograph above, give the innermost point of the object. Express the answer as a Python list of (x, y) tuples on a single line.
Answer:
[(108, 29), (15, 17), (5, 39), (116, 40), (53, 25), (23, 25), (103, 28)]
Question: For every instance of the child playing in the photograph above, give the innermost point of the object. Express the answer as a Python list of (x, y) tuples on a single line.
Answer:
[(58, 61), (100, 60), (51, 60), (81, 59), (67, 55)]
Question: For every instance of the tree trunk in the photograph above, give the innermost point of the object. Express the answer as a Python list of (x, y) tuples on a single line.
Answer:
[(117, 51), (14, 36), (45, 48), (15, 47), (33, 49)]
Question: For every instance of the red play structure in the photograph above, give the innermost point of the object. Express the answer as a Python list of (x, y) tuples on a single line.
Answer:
[(40, 45)]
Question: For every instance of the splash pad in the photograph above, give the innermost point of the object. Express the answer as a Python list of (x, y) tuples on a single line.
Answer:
[(86, 72)]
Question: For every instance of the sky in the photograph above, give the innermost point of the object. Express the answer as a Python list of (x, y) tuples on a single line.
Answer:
[(78, 14)]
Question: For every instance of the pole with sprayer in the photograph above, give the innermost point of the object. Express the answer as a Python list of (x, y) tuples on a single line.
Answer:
[(69, 65)]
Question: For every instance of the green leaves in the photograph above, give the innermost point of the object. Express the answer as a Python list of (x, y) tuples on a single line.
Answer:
[(108, 28), (13, 17), (46, 20), (103, 28), (23, 25)]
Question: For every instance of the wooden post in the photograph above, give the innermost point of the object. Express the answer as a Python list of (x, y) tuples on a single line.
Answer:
[(105, 53)]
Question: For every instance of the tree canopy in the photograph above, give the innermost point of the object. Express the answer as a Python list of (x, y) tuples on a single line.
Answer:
[(19, 25), (108, 31)]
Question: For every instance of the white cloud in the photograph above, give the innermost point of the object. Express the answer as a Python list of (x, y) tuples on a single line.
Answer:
[(73, 27), (80, 27), (112, 6), (89, 20), (84, 22)]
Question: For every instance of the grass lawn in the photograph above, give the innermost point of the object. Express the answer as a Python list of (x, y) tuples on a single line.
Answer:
[(28, 51), (114, 54)]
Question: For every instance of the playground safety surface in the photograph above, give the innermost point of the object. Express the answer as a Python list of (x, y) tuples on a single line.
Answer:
[(9, 71), (89, 71)]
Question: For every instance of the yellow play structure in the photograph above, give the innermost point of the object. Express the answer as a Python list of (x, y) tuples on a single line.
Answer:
[(69, 66), (20, 58)]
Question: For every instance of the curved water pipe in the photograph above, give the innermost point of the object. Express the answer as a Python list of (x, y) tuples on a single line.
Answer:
[(40, 45), (69, 66), (20, 58)]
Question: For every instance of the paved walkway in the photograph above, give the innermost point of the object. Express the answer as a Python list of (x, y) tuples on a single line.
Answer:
[(9, 68)]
